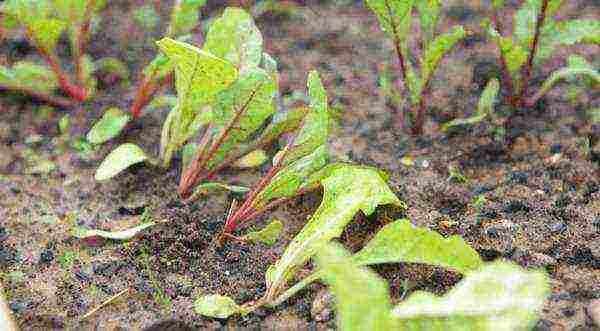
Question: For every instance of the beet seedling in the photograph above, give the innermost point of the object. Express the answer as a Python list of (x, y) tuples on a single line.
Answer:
[(184, 17), (395, 19), (537, 34), (44, 22)]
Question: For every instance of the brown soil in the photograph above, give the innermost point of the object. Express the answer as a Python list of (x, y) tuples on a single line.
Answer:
[(542, 191)]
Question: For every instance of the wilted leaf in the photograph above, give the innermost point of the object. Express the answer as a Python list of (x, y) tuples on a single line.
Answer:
[(484, 108), (120, 159), (436, 50), (268, 235), (216, 306), (239, 111), (251, 160), (314, 129), (394, 16), (362, 299), (346, 191), (500, 296), (82, 233), (235, 38), (400, 241), (109, 126)]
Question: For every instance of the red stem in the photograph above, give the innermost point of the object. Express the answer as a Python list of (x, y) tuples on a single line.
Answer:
[(82, 38), (528, 68), (397, 45), (419, 115), (193, 175), (506, 76)]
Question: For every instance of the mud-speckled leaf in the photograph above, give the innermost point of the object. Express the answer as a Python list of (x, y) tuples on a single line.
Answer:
[(484, 108), (235, 38), (436, 50), (109, 126), (240, 110), (120, 159), (251, 160), (347, 191), (400, 241), (577, 66), (362, 297), (314, 129), (199, 77), (394, 16), (184, 17), (268, 235), (82, 233), (500, 296), (288, 180), (216, 306)]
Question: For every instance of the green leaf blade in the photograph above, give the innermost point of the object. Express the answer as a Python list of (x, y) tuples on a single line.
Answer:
[(216, 306), (109, 126), (118, 160), (401, 242), (235, 38), (500, 296), (362, 296), (484, 108), (436, 50), (394, 16)]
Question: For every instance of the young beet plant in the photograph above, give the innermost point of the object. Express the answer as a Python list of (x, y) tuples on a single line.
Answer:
[(395, 18), (226, 97), (535, 37), (44, 22), (184, 18)]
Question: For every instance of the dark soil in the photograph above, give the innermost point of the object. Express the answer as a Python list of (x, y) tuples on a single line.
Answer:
[(542, 191)]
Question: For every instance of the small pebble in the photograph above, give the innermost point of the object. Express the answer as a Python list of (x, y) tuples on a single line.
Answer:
[(492, 232), (559, 227), (46, 256)]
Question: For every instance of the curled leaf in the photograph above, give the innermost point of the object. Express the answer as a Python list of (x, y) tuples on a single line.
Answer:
[(484, 108), (268, 235), (82, 233), (118, 160), (251, 160), (216, 306), (109, 126)]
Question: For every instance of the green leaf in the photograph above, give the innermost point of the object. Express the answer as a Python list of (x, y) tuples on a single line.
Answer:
[(270, 65), (394, 16), (251, 160), (288, 180), (515, 55), (64, 124), (268, 235), (120, 159), (216, 306), (526, 17), (578, 31), (594, 115), (46, 33), (500, 296), (82, 233), (314, 129), (199, 77), (497, 4), (436, 50), (282, 122), (484, 108), (184, 17), (29, 75), (577, 66), (362, 299), (346, 191), (235, 37), (429, 14), (400, 241), (239, 111), (109, 126), (113, 66), (146, 17), (159, 67)]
